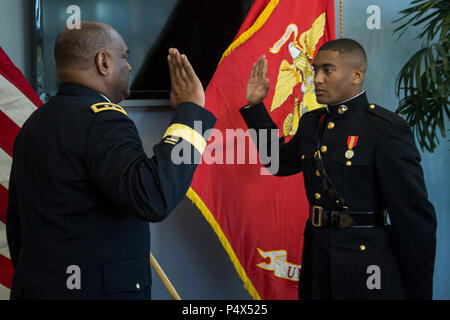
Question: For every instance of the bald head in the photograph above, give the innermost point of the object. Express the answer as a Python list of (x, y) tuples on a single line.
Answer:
[(94, 56), (77, 48)]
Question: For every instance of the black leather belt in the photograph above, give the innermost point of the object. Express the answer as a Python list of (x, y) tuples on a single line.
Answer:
[(321, 217)]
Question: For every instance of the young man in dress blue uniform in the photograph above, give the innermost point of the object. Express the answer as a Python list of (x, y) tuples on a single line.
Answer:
[(82, 189), (361, 169)]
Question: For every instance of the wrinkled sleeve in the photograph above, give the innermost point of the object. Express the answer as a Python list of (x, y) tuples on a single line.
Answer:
[(412, 216), (147, 187), (258, 119)]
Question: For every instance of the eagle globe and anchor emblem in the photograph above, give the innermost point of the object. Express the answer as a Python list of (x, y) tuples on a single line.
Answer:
[(289, 76), (302, 51)]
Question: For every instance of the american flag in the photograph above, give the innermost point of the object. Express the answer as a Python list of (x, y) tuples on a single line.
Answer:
[(17, 102)]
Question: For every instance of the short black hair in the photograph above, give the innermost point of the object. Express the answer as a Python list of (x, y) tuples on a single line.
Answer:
[(77, 48), (350, 47)]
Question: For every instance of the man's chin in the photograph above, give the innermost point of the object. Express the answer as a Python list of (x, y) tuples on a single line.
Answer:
[(321, 100), (328, 101), (125, 95)]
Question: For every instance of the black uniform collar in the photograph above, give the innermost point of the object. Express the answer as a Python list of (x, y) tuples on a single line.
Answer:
[(73, 89), (349, 107)]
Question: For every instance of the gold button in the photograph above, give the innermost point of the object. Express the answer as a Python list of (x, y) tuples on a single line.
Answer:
[(330, 125), (317, 196), (362, 247), (348, 163), (323, 149), (303, 156), (317, 173), (372, 106)]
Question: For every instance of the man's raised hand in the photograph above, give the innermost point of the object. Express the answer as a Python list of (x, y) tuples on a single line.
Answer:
[(185, 85), (258, 83)]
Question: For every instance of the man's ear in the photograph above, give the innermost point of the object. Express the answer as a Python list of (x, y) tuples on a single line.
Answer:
[(102, 62), (358, 76)]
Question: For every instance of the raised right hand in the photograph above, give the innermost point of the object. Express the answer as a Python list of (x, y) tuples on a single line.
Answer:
[(185, 85), (258, 83)]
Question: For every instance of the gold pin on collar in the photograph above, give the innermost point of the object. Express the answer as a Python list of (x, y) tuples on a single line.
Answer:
[(342, 109)]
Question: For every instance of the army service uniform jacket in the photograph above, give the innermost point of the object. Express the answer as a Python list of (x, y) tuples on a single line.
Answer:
[(383, 172), (81, 193)]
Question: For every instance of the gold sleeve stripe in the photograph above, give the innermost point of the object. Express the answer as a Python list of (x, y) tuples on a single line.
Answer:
[(113, 106), (188, 134), (171, 139), (259, 22), (171, 142)]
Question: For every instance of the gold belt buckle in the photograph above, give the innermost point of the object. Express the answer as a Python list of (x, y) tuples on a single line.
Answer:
[(313, 216)]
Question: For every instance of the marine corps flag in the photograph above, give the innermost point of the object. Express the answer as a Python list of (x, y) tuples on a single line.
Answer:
[(259, 218)]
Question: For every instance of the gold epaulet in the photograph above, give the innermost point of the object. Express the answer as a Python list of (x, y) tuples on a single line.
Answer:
[(104, 106)]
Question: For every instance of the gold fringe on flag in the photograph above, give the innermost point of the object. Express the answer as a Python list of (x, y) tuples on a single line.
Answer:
[(262, 18), (195, 198), (191, 194)]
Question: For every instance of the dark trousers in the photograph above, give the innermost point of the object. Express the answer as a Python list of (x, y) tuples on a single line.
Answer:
[(335, 267)]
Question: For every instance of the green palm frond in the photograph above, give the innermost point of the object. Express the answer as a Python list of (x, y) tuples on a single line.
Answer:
[(424, 81)]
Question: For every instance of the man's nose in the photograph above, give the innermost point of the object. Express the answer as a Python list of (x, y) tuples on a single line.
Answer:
[(318, 78)]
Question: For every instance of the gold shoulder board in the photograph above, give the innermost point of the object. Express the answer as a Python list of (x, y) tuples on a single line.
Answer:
[(104, 106)]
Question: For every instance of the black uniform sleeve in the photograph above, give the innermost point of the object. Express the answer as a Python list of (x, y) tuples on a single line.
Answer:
[(412, 215), (147, 187), (13, 230), (289, 163)]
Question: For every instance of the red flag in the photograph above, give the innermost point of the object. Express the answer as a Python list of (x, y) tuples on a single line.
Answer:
[(259, 219), (17, 102)]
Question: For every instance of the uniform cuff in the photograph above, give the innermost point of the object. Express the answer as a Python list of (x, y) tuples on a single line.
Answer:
[(257, 116), (190, 122)]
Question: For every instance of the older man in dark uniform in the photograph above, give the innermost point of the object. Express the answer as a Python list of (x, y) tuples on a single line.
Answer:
[(82, 188), (371, 231)]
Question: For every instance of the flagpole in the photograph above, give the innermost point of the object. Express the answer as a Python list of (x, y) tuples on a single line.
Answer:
[(159, 271)]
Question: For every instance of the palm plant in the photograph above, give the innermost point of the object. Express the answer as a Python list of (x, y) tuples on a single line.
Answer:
[(424, 80)]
